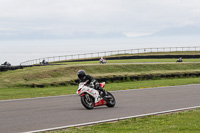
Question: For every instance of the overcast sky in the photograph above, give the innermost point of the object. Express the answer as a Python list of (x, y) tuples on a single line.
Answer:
[(74, 18)]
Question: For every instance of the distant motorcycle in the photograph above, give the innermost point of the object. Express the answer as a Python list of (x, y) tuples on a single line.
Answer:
[(91, 97), (180, 60), (102, 61), (6, 64), (44, 63)]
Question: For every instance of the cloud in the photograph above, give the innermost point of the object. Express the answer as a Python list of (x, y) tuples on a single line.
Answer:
[(179, 31), (132, 34), (70, 17)]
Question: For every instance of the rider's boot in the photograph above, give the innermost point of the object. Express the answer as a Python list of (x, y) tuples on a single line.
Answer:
[(104, 93)]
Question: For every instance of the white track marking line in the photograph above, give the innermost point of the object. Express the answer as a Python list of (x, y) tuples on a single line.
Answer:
[(110, 120), (11, 100)]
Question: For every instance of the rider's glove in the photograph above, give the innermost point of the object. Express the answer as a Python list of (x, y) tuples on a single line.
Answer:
[(91, 85)]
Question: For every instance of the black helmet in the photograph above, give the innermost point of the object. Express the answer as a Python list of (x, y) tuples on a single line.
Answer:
[(81, 74)]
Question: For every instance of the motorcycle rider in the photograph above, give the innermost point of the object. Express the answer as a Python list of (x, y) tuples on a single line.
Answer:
[(102, 60), (180, 60), (91, 82)]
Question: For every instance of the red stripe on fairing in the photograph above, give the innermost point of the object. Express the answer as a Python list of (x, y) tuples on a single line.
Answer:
[(101, 102), (79, 91), (102, 84), (83, 94)]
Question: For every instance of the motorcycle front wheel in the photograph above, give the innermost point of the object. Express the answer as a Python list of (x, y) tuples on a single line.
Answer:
[(110, 102), (87, 101)]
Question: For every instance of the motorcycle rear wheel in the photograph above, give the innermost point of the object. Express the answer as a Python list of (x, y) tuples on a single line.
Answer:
[(111, 102), (87, 101)]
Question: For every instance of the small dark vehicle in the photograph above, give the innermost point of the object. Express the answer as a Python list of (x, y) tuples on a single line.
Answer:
[(180, 60), (6, 64), (44, 63)]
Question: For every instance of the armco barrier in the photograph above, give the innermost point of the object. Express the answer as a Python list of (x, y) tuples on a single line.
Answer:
[(109, 53)]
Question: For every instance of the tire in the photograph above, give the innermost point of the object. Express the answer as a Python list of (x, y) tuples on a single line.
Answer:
[(87, 101), (111, 102)]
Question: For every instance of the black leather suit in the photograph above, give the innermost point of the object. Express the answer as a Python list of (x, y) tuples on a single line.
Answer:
[(92, 82)]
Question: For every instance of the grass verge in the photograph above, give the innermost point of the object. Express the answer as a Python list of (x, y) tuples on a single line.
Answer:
[(128, 61), (140, 54), (44, 75), (22, 92), (185, 121)]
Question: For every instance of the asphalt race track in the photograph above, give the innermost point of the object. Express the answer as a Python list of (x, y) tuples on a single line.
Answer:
[(42, 113)]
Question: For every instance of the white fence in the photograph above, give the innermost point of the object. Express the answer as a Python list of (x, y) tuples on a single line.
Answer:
[(109, 53)]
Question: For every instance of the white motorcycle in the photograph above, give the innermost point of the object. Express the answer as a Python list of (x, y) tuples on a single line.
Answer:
[(91, 97), (102, 61)]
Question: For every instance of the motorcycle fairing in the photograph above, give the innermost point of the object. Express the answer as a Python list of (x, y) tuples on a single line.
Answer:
[(102, 84), (101, 102), (94, 93)]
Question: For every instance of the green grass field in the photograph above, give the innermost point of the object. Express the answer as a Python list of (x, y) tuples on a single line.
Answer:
[(63, 73), (128, 61), (150, 54), (13, 83), (180, 122), (25, 92)]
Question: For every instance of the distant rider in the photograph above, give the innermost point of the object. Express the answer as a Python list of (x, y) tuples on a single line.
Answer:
[(102, 60), (5, 63), (91, 82), (180, 60)]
